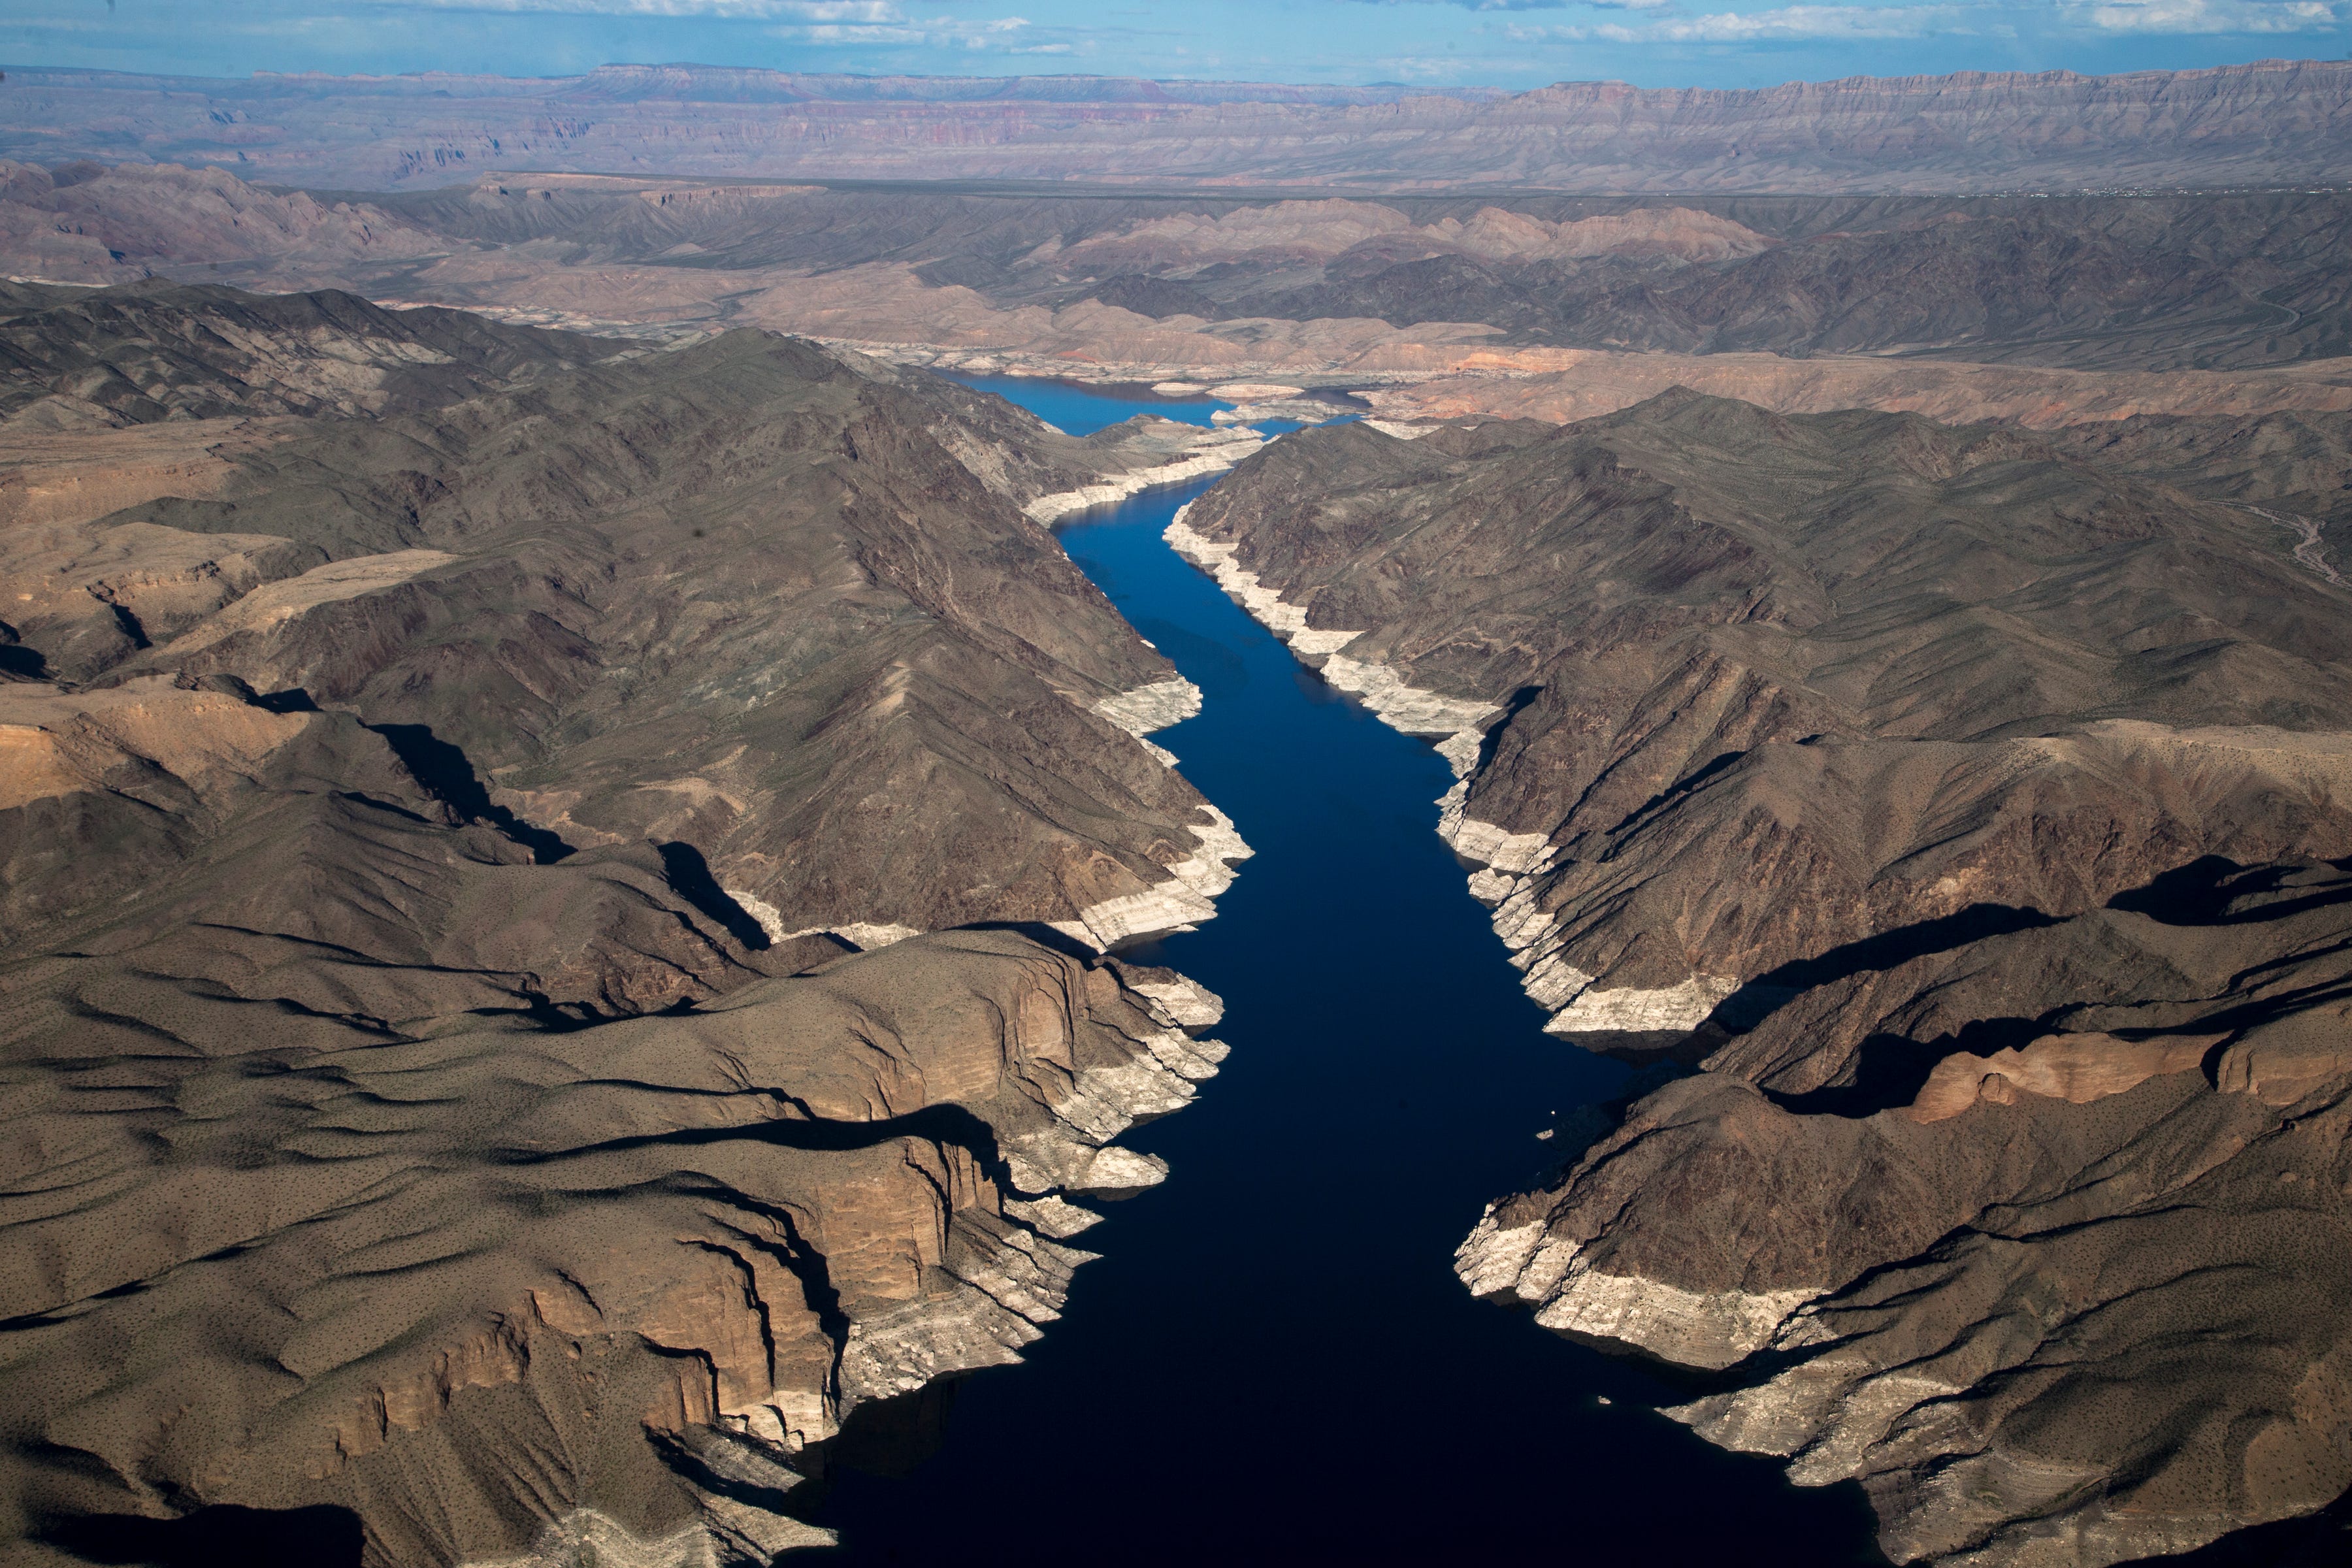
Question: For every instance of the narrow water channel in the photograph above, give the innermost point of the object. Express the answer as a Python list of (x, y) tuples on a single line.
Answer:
[(1272, 1361)]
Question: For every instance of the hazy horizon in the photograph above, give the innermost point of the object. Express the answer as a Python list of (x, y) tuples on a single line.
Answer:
[(1506, 44)]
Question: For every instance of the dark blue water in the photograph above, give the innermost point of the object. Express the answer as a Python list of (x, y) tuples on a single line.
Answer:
[(1272, 1360)]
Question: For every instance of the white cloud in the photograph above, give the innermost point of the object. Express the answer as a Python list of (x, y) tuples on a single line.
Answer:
[(845, 23), (1783, 22), (2211, 16), (893, 27), (833, 33), (1816, 21), (1419, 67), (1979, 17), (846, 10), (1535, 5), (866, 11), (1538, 5)]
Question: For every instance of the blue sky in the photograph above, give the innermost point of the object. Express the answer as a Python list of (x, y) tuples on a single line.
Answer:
[(1505, 43)]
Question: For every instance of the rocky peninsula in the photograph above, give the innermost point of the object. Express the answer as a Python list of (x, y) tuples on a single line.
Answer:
[(472, 803), (1951, 819)]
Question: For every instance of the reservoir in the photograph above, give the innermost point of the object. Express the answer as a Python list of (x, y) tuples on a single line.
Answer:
[(1272, 1361)]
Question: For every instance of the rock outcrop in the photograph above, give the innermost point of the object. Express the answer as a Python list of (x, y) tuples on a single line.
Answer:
[(2070, 1299), (147, 353), (1191, 453), (95, 223), (448, 775), (1966, 812), (1593, 383)]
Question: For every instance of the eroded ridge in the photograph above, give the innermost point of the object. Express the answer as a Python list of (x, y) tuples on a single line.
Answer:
[(724, 1228), (490, 1047), (2072, 1296), (1981, 926)]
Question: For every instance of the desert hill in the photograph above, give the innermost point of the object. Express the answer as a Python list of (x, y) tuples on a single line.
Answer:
[(1965, 808), (470, 808), (2049, 310)]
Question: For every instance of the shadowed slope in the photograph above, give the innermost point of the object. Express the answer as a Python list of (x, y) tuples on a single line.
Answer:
[(1868, 764), (445, 1095)]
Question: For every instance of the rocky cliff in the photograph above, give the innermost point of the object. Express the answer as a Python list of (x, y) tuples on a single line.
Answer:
[(472, 800), (1953, 819)]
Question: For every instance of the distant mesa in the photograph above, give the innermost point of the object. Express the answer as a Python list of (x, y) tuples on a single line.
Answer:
[(2268, 122)]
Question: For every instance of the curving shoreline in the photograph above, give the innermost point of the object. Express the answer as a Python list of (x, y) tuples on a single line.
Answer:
[(1507, 864), (1387, 1076), (1213, 452)]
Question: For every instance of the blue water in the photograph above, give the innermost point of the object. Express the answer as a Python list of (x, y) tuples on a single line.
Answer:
[(1083, 410), (1273, 1361)]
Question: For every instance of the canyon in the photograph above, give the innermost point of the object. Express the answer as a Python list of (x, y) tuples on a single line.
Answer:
[(632, 704)]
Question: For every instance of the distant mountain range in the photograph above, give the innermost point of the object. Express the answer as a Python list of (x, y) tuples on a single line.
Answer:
[(2271, 122)]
